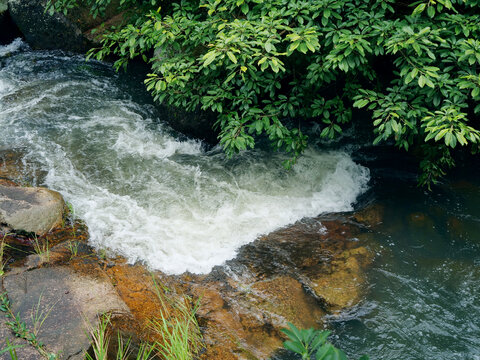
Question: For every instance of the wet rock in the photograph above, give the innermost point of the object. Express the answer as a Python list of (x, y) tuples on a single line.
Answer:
[(371, 215), (70, 301), (198, 124), (297, 274), (343, 285), (36, 210), (8, 30), (45, 31), (71, 32)]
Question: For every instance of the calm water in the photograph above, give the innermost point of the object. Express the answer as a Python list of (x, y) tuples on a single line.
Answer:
[(153, 195)]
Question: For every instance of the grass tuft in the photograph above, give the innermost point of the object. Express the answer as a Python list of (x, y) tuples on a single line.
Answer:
[(177, 327)]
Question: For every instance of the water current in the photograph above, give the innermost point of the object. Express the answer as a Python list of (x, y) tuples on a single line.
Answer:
[(153, 195), (145, 192)]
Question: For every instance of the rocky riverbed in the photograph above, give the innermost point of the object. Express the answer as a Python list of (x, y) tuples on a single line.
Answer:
[(297, 274)]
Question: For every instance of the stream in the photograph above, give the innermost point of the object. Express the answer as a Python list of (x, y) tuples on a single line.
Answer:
[(153, 195)]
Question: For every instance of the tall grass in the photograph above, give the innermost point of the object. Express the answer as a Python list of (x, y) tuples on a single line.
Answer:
[(101, 340), (178, 328), (2, 252)]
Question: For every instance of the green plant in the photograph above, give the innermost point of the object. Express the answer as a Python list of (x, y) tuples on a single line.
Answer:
[(11, 349), (414, 65), (41, 248), (20, 329), (177, 326), (2, 254), (73, 247), (100, 339), (311, 342), (39, 315)]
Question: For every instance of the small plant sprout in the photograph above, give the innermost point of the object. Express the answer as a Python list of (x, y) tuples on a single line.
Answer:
[(73, 247), (2, 255), (20, 329), (11, 349), (41, 248), (39, 315), (101, 340)]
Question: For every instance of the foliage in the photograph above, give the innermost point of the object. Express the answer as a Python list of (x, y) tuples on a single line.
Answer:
[(11, 349), (20, 329), (100, 344), (311, 342), (177, 326), (258, 63)]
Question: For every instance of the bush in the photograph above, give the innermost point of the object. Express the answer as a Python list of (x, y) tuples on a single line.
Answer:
[(257, 63)]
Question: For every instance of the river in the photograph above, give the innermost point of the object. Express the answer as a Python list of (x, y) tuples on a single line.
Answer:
[(176, 204)]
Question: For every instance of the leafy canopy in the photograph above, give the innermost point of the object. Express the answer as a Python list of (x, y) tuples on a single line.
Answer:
[(258, 63)]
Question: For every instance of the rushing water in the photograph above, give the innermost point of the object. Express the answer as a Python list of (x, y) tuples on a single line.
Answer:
[(145, 192), (155, 196)]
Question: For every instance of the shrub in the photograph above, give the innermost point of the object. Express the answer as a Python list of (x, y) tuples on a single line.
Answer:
[(258, 62)]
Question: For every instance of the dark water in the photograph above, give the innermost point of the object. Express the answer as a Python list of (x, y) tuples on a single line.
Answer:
[(423, 297)]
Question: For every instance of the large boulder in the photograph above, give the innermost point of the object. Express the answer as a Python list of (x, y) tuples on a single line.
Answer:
[(69, 32), (8, 30), (198, 124), (36, 210), (44, 31)]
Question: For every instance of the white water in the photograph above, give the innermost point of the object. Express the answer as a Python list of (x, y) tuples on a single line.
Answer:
[(144, 192)]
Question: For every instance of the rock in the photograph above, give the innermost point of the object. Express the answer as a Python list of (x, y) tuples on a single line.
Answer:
[(71, 302), (198, 123), (71, 32), (371, 215), (8, 30), (44, 31), (36, 210), (343, 285)]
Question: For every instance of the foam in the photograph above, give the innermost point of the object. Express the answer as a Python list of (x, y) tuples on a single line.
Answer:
[(153, 197)]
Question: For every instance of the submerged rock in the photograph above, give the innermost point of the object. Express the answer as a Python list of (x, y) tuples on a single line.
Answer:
[(36, 210), (297, 274)]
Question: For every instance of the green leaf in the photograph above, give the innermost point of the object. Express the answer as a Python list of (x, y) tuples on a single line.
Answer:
[(294, 346), (419, 9), (441, 134), (209, 57), (421, 81), (232, 57), (431, 11), (324, 351)]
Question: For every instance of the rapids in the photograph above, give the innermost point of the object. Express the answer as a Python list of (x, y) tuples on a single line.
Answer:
[(146, 192)]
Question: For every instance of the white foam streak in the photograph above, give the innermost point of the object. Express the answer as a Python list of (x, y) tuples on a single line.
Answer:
[(13, 47)]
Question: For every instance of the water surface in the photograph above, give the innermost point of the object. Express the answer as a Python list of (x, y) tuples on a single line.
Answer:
[(145, 192)]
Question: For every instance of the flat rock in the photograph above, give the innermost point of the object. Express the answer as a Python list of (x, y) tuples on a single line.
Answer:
[(71, 301), (36, 210)]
